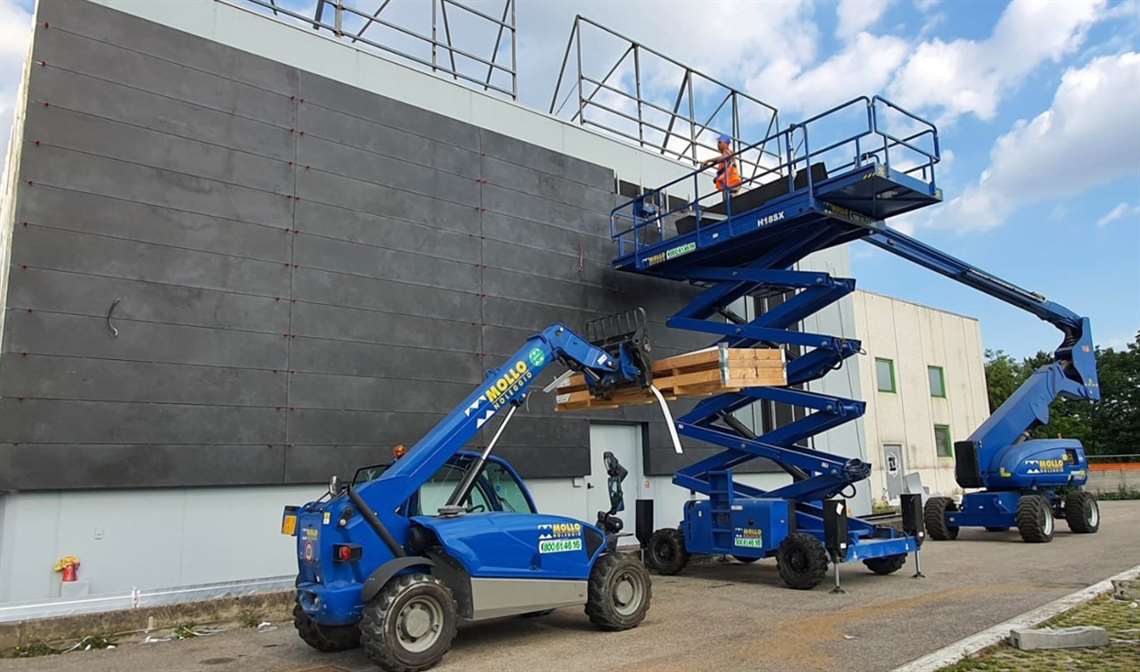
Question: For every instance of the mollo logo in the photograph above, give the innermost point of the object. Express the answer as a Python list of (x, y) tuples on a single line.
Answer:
[(508, 383)]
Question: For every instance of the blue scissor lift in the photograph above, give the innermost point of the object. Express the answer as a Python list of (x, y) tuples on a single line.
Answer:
[(749, 245)]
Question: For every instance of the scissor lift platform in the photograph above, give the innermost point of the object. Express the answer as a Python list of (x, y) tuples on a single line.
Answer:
[(748, 244)]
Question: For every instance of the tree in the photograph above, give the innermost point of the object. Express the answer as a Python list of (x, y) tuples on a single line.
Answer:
[(1109, 427)]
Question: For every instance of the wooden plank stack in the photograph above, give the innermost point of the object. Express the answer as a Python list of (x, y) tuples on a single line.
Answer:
[(694, 374)]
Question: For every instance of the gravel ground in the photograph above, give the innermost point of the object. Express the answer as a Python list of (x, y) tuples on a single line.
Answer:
[(724, 616)]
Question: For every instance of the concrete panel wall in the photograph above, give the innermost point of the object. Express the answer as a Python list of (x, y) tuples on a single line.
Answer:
[(218, 255)]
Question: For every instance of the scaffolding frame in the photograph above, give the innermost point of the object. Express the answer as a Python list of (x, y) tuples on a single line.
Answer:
[(443, 52), (689, 118)]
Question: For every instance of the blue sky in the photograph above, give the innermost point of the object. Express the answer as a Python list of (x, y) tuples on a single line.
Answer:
[(1037, 104)]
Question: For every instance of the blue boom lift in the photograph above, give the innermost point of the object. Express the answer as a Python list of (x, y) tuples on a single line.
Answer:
[(748, 244), (378, 570)]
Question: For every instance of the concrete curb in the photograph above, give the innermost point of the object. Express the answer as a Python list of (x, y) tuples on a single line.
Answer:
[(958, 650)]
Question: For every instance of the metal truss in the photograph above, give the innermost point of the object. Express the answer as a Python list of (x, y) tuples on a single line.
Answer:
[(681, 122), (349, 21)]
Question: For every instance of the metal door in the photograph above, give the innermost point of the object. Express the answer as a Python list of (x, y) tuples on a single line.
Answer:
[(893, 469), (624, 441)]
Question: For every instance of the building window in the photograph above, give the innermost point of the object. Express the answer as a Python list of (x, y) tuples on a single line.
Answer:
[(885, 374), (937, 381), (942, 444)]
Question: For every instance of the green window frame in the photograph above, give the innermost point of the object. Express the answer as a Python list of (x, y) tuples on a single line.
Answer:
[(885, 377), (940, 392), (943, 443)]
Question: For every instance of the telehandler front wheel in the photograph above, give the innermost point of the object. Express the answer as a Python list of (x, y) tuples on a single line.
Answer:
[(409, 626), (619, 592), (324, 638)]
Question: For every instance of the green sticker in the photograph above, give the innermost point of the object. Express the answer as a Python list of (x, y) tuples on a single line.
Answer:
[(559, 545), (537, 358), (749, 542)]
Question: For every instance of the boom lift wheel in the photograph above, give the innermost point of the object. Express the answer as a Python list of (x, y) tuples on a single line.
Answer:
[(934, 516), (666, 553), (801, 560), (325, 638), (885, 565), (1082, 512), (619, 592), (1035, 519), (409, 626)]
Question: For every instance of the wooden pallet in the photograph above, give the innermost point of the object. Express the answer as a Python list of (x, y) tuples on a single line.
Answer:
[(694, 374)]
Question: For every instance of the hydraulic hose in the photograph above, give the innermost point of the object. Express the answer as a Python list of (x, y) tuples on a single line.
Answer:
[(375, 524)]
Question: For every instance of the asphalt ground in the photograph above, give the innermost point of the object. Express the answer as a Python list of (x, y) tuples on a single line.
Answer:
[(721, 616)]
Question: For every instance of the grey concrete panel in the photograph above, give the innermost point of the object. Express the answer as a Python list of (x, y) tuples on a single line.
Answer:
[(68, 466), (356, 393), (540, 428), (107, 25), (532, 317), (316, 463), (83, 253), (560, 264), (537, 462), (90, 295), (356, 291), (383, 264), (321, 321), (525, 154), (383, 361), (502, 283), (45, 377), (77, 131), (92, 213), (358, 102), (386, 141), (54, 334), (378, 200), (535, 208), (49, 421), (330, 427), (525, 233), (393, 234), (100, 59), (155, 186), (316, 154), (101, 98), (537, 183)]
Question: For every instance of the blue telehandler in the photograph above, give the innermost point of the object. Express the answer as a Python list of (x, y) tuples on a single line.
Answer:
[(389, 564)]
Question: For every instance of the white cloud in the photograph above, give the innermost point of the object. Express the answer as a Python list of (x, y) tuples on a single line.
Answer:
[(1121, 211), (856, 16), (15, 32), (1089, 136), (971, 77)]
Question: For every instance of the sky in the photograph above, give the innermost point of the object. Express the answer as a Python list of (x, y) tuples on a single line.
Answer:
[(1037, 104)]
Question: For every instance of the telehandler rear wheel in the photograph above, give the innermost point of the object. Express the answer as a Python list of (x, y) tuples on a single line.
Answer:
[(801, 560), (409, 626), (934, 516), (666, 553), (325, 638), (1035, 519), (1082, 512), (619, 592)]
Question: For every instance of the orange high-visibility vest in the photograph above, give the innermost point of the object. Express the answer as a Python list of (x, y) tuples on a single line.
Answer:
[(727, 175)]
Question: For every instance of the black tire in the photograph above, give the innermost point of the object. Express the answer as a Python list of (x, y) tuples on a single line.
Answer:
[(1035, 519), (666, 553), (1082, 512), (745, 559), (934, 516), (886, 565), (997, 529), (801, 560), (391, 640), (325, 638), (620, 590)]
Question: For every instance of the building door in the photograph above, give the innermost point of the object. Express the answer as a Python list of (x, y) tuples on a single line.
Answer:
[(624, 441), (893, 462)]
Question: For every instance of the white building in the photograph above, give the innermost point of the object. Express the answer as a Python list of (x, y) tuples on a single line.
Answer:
[(924, 383)]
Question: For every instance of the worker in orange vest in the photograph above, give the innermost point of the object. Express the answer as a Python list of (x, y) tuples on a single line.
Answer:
[(727, 178)]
